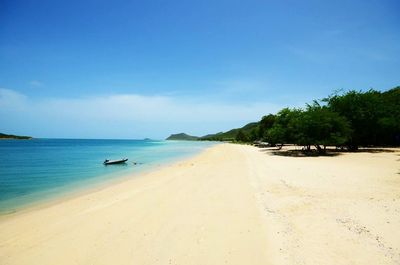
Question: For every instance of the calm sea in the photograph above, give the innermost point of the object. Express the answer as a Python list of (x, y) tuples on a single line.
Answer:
[(39, 169)]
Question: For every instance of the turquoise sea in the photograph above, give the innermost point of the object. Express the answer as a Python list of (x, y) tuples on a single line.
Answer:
[(40, 169)]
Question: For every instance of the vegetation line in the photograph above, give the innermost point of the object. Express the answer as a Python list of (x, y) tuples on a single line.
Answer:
[(346, 120)]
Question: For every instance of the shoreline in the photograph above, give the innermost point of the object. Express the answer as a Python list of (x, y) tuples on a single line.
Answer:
[(232, 204), (74, 191)]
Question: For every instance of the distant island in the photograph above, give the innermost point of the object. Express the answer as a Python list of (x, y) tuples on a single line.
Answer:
[(182, 137), (16, 137)]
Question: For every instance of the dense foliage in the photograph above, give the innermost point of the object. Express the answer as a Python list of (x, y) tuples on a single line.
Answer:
[(374, 116), (317, 125), (350, 119)]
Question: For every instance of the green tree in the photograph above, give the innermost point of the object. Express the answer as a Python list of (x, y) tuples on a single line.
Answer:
[(241, 137), (389, 120), (319, 126), (277, 134), (374, 116), (265, 123), (282, 128), (254, 134)]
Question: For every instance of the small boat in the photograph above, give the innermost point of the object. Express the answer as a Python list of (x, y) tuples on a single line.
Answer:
[(111, 162)]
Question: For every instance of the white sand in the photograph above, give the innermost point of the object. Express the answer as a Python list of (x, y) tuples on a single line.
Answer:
[(231, 204)]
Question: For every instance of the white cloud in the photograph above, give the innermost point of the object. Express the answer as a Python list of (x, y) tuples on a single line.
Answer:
[(124, 115), (35, 83), (12, 100)]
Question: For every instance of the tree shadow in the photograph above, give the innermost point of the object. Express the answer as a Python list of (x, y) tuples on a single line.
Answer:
[(369, 150), (330, 152), (301, 153)]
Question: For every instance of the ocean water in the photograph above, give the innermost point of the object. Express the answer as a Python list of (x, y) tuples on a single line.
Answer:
[(40, 169)]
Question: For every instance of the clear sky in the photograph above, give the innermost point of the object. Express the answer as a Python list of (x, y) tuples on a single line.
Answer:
[(135, 69)]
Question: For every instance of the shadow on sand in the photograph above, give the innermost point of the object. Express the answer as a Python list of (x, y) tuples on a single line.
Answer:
[(330, 152), (372, 150), (300, 153)]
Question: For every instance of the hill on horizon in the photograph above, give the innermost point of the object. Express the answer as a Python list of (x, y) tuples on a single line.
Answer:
[(12, 136), (231, 134), (182, 137), (221, 136)]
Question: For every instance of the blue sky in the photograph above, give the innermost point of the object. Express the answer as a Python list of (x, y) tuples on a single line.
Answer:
[(134, 69)]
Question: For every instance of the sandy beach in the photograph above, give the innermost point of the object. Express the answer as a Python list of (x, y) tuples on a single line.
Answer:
[(231, 204)]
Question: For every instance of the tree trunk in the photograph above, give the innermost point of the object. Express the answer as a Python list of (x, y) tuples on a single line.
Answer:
[(352, 147), (320, 150)]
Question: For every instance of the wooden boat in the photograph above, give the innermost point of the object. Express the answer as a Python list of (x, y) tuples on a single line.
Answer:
[(111, 162)]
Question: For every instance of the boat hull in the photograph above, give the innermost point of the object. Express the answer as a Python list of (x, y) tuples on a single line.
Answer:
[(113, 162)]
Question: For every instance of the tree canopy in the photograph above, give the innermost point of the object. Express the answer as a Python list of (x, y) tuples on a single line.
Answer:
[(350, 119), (374, 116)]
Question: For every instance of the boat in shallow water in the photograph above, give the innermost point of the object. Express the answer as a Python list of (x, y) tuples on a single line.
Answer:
[(111, 162)]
